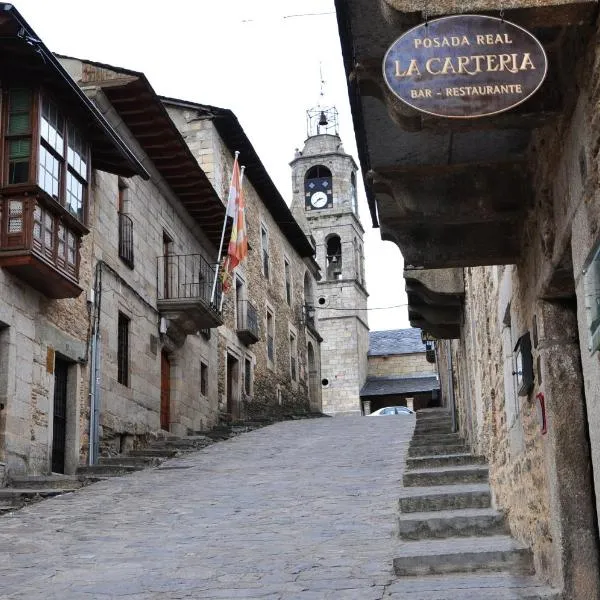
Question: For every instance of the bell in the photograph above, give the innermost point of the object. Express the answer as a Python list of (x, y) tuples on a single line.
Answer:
[(323, 120)]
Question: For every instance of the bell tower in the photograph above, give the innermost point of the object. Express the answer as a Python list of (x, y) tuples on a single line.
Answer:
[(325, 202)]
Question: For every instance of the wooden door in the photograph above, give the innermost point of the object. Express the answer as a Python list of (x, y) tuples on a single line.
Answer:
[(59, 424), (165, 391)]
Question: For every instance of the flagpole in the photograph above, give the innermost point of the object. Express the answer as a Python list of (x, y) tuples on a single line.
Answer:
[(241, 193), (214, 287)]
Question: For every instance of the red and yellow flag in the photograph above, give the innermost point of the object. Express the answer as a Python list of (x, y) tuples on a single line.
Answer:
[(238, 243)]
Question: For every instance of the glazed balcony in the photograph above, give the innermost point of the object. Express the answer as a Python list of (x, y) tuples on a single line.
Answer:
[(247, 322), (185, 284), (39, 244)]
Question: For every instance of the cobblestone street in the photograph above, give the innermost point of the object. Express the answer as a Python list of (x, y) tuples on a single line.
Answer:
[(300, 509)]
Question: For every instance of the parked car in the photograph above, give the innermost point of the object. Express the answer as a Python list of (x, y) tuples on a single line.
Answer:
[(392, 410)]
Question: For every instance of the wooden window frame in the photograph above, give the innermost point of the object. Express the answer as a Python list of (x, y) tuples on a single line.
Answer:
[(38, 94)]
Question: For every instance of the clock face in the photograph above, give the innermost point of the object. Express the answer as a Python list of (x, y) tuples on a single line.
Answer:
[(319, 199)]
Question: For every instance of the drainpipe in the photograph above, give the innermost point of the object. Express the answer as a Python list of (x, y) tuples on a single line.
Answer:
[(95, 370), (451, 386)]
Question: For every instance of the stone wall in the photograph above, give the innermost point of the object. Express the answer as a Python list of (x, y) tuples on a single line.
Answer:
[(544, 481), (399, 364), (273, 391), (133, 410)]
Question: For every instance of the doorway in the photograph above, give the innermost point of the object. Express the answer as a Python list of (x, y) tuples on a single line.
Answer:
[(233, 387), (165, 390), (59, 422)]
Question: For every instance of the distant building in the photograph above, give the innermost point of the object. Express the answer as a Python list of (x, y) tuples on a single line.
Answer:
[(401, 371), (325, 201)]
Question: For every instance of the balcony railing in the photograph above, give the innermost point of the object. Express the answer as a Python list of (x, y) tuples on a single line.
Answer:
[(184, 287), (126, 239), (187, 276), (247, 322)]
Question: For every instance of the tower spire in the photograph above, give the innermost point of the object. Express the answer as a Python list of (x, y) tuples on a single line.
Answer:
[(323, 118)]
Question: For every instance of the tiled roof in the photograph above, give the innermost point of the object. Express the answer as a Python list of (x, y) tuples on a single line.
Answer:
[(395, 341), (385, 386)]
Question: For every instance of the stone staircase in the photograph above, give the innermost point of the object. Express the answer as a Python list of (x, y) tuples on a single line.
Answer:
[(456, 545), (26, 489)]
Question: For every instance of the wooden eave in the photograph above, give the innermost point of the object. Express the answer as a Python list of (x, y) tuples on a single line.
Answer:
[(145, 116)]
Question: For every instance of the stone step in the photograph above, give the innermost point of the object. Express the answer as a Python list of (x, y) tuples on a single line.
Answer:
[(436, 439), (128, 460), (107, 470), (476, 586), (423, 428), (433, 416), (446, 497), (463, 555), (154, 453), (436, 450), (11, 494), (433, 422), (45, 481), (188, 442), (469, 522), (447, 475), (444, 460)]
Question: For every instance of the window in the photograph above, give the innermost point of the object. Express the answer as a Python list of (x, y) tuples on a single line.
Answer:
[(288, 281), (248, 376), (15, 216), (18, 135), (270, 337), (264, 242), (334, 257), (125, 228), (203, 378), (293, 357), (239, 303), (123, 350), (62, 154), (354, 193)]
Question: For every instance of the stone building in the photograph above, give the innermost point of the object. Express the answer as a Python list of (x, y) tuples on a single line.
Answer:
[(501, 245), (154, 250), (402, 371), (52, 138), (325, 201), (269, 346), (110, 230)]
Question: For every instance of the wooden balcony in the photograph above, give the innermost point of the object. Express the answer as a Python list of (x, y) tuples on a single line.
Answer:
[(247, 323), (185, 284), (39, 245)]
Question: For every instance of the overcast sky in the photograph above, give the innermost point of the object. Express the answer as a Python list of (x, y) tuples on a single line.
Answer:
[(259, 58)]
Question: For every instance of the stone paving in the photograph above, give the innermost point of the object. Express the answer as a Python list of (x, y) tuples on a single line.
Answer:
[(298, 510)]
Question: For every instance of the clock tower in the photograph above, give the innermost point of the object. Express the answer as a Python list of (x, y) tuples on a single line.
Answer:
[(325, 204)]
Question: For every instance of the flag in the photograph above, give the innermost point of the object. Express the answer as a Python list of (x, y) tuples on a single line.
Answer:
[(234, 189), (238, 242)]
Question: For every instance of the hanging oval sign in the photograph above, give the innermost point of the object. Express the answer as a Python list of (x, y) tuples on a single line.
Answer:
[(465, 66)]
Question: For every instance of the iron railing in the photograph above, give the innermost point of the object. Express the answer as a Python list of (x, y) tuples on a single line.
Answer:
[(187, 276), (247, 318), (126, 239)]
